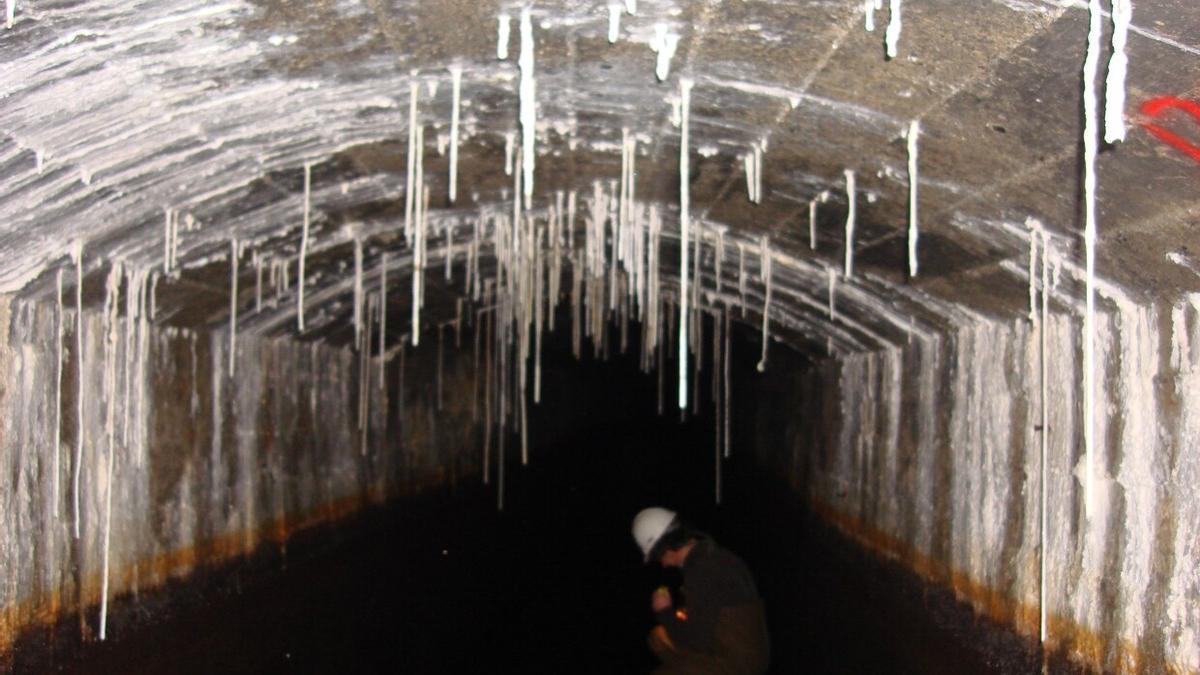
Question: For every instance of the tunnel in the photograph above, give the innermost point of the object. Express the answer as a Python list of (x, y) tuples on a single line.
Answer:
[(350, 335)]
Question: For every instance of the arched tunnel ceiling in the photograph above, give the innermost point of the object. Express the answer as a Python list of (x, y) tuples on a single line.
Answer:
[(116, 111)]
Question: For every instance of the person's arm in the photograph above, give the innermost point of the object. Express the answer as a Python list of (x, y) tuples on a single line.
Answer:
[(692, 626)]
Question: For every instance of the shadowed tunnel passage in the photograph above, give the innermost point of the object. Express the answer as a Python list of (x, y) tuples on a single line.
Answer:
[(445, 584)]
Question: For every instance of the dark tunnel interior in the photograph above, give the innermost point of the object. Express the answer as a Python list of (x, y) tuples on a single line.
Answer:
[(446, 583)]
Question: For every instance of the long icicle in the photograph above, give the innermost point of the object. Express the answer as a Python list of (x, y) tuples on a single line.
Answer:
[(58, 374), (528, 96), (1090, 68), (850, 216), (914, 132), (685, 94), (411, 190), (456, 72), (1045, 430), (79, 377), (233, 307), (892, 36), (1118, 66), (728, 387), (503, 28), (111, 317), (765, 268), (383, 290), (303, 247)]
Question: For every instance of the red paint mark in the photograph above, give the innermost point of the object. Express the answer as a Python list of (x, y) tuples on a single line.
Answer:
[(1155, 107)]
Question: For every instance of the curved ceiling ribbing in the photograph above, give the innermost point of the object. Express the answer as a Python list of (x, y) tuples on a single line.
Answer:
[(116, 111)]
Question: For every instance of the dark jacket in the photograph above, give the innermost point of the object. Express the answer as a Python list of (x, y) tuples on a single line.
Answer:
[(721, 628)]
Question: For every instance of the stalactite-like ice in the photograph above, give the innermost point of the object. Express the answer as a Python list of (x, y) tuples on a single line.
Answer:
[(1045, 431), (1118, 66), (614, 22), (850, 216), (58, 374), (869, 7), (765, 269), (10, 12), (77, 255), (233, 305), (664, 44), (812, 224), (685, 97), (528, 96), (358, 290), (503, 28), (1035, 233), (831, 281), (456, 72), (914, 133), (1090, 142), (303, 247), (892, 36), (411, 190), (383, 290)]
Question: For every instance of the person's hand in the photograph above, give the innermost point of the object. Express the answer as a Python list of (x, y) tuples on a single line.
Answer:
[(661, 599)]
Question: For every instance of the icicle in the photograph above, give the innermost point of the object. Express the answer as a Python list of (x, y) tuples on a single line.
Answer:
[(914, 132), (1035, 229), (456, 87), (58, 373), (410, 187), (358, 290), (303, 247), (664, 44), (849, 223), (233, 291), (167, 217), (742, 275), (111, 316), (1045, 428), (1118, 65), (748, 169), (503, 28), (77, 254), (892, 37), (258, 273), (10, 12), (1090, 67), (383, 290), (832, 279), (869, 7), (631, 7), (765, 268), (685, 95), (812, 224), (528, 95), (728, 386), (753, 165), (418, 254), (614, 22), (718, 408), (509, 137)]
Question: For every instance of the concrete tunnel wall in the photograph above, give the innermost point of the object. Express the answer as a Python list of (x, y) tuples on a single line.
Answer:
[(930, 452), (207, 466)]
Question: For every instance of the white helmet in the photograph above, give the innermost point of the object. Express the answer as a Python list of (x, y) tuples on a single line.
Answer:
[(649, 525)]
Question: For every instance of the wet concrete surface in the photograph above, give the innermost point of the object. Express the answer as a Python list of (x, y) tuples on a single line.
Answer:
[(445, 584)]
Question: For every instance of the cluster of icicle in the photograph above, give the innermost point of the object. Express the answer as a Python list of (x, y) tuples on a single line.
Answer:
[(608, 240)]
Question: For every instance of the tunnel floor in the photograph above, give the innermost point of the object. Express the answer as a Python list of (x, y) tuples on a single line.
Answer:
[(449, 586), (445, 584)]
